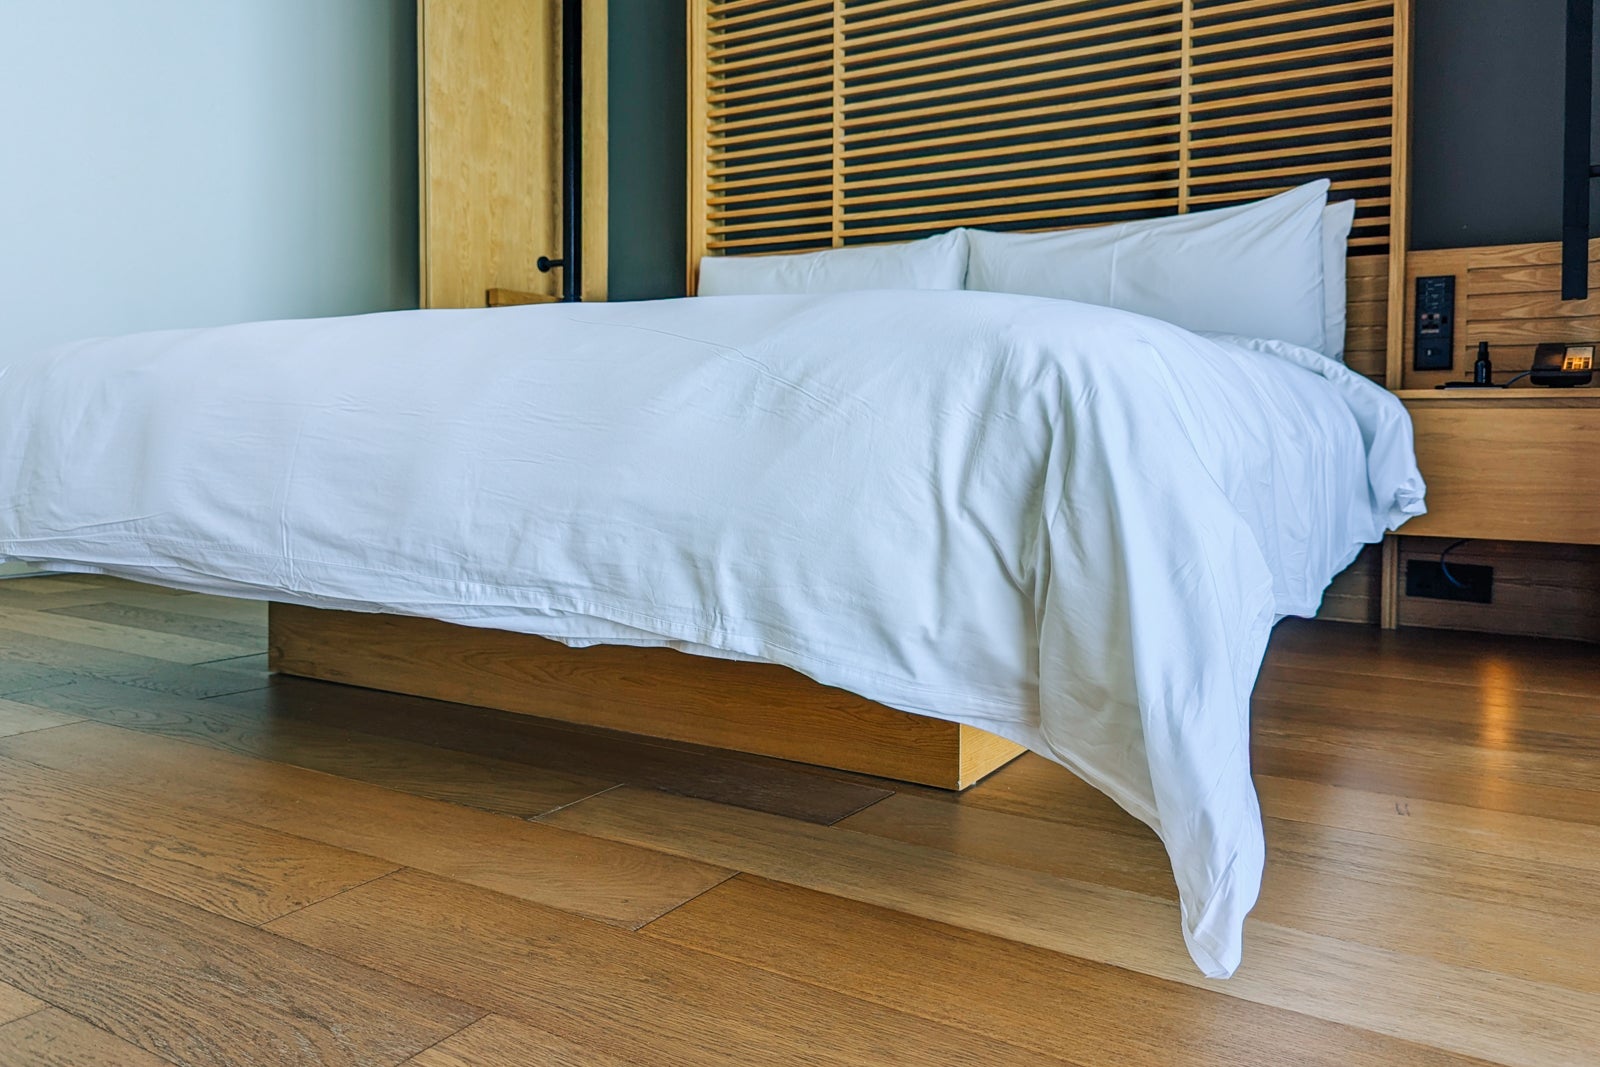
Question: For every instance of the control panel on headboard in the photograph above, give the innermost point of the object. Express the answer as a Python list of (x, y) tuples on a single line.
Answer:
[(820, 123)]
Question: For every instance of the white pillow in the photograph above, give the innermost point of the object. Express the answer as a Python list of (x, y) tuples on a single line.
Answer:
[(1336, 222), (1254, 270), (938, 262)]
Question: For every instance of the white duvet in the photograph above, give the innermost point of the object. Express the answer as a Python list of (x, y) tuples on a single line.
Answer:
[(1069, 525)]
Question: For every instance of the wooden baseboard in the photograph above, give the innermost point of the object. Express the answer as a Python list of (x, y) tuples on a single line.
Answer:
[(658, 692)]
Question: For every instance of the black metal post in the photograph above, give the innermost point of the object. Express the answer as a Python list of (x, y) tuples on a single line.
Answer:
[(571, 261), (1576, 171)]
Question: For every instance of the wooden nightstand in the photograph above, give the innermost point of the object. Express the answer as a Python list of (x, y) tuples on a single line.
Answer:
[(1508, 464), (1502, 465)]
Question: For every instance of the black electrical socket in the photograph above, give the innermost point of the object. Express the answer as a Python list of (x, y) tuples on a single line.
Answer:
[(1434, 338), (1473, 583)]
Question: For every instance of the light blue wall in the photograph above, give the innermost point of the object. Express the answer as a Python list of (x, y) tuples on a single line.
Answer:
[(172, 163)]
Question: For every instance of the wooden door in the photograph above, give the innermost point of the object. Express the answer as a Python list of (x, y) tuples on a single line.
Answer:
[(489, 140)]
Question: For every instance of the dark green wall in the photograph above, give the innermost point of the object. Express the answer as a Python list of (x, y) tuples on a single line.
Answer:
[(647, 90), (1486, 132)]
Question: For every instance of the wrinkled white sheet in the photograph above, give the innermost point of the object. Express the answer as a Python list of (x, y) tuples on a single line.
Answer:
[(1069, 525)]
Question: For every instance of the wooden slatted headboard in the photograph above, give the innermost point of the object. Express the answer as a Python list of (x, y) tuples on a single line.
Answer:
[(820, 123)]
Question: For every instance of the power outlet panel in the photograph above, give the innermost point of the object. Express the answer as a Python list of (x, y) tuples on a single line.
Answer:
[(1435, 334), (1471, 582)]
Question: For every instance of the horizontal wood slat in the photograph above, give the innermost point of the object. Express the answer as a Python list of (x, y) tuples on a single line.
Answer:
[(957, 14), (822, 123), (1367, 316), (1535, 305)]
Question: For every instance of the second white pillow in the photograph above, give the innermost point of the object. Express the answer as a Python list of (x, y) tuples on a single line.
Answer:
[(1254, 270), (1337, 221)]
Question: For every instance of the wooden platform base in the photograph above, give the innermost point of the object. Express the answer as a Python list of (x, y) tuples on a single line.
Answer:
[(658, 692)]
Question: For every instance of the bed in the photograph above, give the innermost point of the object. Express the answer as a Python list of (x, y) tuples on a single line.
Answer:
[(886, 522)]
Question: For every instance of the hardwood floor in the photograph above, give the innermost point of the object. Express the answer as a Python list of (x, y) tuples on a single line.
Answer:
[(200, 864)]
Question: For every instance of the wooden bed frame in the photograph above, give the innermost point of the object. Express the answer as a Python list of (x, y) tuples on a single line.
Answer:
[(814, 125), (748, 707)]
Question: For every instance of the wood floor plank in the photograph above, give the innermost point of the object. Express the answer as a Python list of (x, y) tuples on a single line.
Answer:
[(245, 637), (1136, 863), (233, 869), (35, 585), (197, 989), (108, 583), (1494, 1016), (773, 786), (604, 880), (1529, 918), (244, 612), (18, 718), (1485, 712), (481, 782), (154, 644), (14, 1003), (52, 1038), (1029, 996), (1442, 872), (56, 662), (622, 994), (1418, 918), (18, 676), (12, 597), (1374, 769), (1502, 735), (496, 1041), (1408, 818), (1524, 663), (1034, 787), (1440, 755)]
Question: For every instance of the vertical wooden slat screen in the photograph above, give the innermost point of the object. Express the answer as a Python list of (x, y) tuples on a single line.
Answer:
[(769, 146), (1286, 92), (819, 123)]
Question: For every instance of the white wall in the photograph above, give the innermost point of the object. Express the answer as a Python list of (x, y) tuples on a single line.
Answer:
[(171, 163)]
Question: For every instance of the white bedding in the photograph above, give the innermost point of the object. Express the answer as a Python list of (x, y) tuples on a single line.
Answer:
[(1069, 525)]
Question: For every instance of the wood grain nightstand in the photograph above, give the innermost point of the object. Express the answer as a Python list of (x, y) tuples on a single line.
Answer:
[(1508, 464)]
